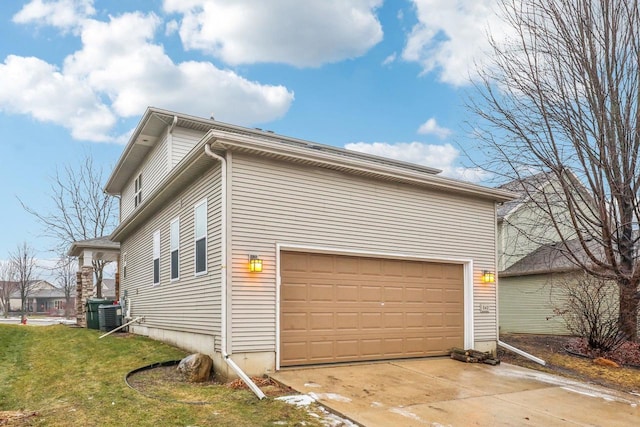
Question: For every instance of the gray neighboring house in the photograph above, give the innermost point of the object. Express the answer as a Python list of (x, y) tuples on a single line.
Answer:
[(45, 298), (266, 251)]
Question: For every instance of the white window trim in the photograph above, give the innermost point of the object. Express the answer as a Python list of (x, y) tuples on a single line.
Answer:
[(137, 190), (195, 237), (156, 256), (171, 249)]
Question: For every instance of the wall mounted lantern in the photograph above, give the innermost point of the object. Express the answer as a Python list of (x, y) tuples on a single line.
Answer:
[(255, 264), (488, 277)]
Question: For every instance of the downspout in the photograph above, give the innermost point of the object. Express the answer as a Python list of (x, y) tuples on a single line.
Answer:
[(223, 268), (522, 353), (170, 142)]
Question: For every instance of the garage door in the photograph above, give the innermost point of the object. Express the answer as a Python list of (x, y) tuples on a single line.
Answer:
[(336, 308)]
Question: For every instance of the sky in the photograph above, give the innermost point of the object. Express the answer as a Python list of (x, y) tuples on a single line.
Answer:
[(383, 77)]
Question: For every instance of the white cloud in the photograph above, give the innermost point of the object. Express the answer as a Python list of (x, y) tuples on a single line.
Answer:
[(389, 59), (118, 72), (431, 127), (451, 37), (64, 14), (34, 87), (299, 33), (441, 157)]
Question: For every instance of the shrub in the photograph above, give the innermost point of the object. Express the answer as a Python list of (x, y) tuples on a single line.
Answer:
[(590, 310)]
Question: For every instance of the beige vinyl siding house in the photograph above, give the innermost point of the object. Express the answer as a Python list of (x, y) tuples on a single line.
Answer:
[(364, 258)]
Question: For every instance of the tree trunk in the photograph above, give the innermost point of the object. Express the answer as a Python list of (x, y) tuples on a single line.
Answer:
[(628, 317), (98, 267)]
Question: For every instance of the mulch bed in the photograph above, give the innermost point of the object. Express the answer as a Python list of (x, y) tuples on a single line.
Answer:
[(628, 354), (159, 381)]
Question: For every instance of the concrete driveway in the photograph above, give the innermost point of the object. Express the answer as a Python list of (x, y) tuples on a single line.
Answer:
[(443, 392)]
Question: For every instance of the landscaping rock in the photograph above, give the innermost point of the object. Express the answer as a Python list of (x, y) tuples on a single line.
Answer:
[(196, 367), (601, 361)]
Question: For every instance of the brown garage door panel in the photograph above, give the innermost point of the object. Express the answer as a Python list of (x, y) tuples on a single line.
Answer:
[(343, 308)]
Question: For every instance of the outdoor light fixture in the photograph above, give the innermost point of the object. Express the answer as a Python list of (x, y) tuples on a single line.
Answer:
[(255, 264), (488, 277)]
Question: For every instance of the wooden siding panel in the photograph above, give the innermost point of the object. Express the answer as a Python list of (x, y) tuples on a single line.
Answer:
[(191, 303), (277, 202)]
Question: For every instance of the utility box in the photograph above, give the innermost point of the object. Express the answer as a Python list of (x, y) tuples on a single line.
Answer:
[(110, 317), (93, 321)]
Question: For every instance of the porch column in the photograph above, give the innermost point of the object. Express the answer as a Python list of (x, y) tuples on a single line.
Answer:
[(84, 291)]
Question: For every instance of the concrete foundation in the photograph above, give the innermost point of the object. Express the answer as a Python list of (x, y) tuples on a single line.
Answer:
[(490, 346)]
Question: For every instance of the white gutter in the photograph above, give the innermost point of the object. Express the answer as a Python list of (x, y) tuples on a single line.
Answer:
[(522, 353), (223, 268)]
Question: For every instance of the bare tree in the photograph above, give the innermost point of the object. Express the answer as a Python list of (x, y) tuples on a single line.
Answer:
[(82, 210), (24, 263), (7, 286), (562, 96), (65, 274)]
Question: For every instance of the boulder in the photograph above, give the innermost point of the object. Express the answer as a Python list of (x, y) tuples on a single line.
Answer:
[(196, 367)]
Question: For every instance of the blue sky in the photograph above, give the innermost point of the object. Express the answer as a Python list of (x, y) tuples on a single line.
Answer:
[(387, 78)]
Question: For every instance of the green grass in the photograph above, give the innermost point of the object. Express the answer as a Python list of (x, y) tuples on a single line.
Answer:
[(70, 378)]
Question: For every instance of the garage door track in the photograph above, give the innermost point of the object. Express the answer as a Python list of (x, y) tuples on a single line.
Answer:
[(443, 392)]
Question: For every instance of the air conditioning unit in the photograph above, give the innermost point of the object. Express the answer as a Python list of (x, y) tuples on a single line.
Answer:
[(110, 317)]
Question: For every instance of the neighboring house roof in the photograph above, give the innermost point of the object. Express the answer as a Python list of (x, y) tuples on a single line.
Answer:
[(34, 284), (523, 187), (44, 290), (551, 258), (109, 285), (526, 187), (230, 137), (50, 293)]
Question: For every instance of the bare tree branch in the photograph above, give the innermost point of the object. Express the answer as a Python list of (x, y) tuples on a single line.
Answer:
[(82, 210), (8, 286), (23, 262), (562, 97)]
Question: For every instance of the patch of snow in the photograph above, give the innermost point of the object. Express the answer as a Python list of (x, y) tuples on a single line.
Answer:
[(590, 394), (377, 405), (297, 399), (328, 419), (330, 396), (405, 413), (312, 385)]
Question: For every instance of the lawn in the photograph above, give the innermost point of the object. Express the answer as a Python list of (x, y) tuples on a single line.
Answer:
[(62, 376)]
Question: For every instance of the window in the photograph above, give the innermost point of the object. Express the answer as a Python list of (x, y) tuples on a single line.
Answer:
[(124, 265), (175, 249), (200, 213), (156, 257), (137, 196)]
